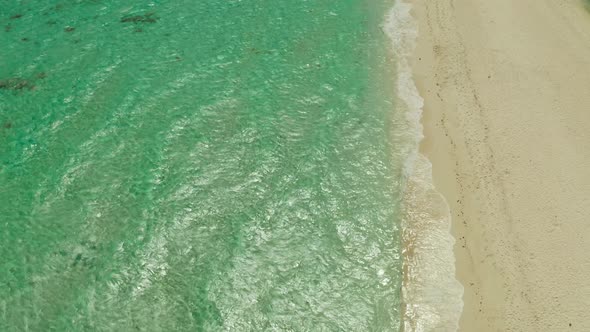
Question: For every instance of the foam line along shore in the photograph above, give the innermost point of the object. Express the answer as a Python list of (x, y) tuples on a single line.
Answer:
[(431, 294)]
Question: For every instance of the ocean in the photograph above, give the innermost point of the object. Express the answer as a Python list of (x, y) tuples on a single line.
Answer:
[(233, 165)]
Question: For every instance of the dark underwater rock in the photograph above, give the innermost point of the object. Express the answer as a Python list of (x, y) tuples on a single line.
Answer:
[(146, 18), (16, 84)]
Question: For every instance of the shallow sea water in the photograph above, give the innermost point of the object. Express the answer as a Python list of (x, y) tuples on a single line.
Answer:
[(198, 166)]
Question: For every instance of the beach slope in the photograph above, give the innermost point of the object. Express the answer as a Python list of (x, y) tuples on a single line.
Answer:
[(507, 127)]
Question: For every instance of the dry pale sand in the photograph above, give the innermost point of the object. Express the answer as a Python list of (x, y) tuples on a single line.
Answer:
[(507, 127)]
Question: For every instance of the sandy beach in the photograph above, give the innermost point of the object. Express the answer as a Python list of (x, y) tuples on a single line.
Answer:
[(507, 128)]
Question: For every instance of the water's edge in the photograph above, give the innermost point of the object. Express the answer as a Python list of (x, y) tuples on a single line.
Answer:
[(432, 297)]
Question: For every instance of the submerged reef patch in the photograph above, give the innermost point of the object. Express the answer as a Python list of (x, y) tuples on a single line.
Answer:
[(145, 18), (16, 84)]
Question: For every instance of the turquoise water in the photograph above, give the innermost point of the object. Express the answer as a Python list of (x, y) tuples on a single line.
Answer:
[(198, 166)]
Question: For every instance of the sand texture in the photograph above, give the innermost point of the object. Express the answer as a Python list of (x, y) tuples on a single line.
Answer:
[(507, 127)]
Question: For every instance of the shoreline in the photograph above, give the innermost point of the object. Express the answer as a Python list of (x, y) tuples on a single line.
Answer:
[(431, 296), (505, 86)]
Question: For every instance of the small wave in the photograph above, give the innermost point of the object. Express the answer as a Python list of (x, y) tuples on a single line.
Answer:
[(432, 297)]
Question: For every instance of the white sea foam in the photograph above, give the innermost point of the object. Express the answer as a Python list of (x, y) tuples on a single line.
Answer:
[(432, 297)]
